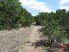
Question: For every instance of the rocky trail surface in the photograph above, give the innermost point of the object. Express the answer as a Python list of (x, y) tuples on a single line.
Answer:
[(20, 40)]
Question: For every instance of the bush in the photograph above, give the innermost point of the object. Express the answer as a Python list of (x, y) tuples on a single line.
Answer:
[(54, 24)]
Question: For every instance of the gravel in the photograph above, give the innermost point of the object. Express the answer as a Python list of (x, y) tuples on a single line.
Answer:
[(10, 41)]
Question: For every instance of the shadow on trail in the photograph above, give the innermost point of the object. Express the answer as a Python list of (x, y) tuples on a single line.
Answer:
[(49, 47)]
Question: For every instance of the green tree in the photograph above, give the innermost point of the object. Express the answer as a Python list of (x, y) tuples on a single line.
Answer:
[(12, 14), (55, 24)]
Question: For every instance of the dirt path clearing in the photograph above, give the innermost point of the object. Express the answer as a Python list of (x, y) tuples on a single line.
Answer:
[(35, 36), (20, 40)]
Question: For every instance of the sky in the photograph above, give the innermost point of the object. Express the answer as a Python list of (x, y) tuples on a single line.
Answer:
[(36, 6)]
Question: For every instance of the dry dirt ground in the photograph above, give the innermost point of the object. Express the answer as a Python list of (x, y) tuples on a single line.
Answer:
[(20, 40)]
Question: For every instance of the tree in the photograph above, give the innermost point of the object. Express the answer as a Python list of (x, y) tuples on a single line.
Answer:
[(26, 17), (41, 17), (55, 24), (12, 14)]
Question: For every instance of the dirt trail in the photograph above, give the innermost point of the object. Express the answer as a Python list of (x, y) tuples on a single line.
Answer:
[(20, 40), (35, 36)]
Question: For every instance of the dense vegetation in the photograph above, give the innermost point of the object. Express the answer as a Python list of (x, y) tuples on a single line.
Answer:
[(55, 24), (13, 15)]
